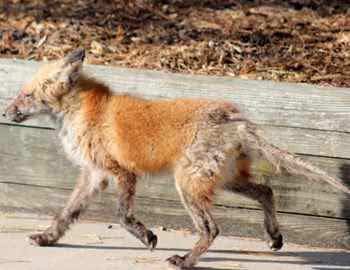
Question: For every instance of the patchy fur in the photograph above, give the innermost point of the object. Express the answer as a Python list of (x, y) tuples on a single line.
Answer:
[(206, 144)]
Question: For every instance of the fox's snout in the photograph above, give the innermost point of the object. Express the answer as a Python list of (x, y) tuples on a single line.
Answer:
[(13, 113), (18, 110)]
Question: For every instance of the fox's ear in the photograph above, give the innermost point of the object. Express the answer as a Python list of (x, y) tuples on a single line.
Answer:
[(71, 67), (75, 57)]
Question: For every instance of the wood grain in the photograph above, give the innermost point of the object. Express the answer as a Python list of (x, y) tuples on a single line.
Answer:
[(317, 231), (309, 120), (301, 118), (34, 156), (265, 102)]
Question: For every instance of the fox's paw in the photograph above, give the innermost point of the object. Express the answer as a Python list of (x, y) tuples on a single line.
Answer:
[(276, 243), (179, 262), (42, 239), (151, 240)]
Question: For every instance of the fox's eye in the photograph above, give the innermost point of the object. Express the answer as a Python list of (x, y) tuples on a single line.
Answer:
[(28, 95)]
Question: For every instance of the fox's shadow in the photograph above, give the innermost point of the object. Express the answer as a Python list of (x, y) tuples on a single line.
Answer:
[(329, 259)]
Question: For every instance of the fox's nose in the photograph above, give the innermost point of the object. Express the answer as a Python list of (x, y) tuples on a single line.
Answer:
[(4, 114)]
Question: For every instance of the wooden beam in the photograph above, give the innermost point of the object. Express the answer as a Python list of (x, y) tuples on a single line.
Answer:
[(309, 120), (33, 156), (265, 102), (301, 118), (317, 231)]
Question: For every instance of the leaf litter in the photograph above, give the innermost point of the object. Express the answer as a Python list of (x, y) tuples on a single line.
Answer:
[(292, 40)]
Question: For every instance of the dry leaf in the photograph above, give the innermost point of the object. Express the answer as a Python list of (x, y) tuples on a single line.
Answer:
[(344, 38), (96, 48), (217, 38)]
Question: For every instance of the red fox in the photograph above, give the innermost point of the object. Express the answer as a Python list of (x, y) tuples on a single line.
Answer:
[(206, 144)]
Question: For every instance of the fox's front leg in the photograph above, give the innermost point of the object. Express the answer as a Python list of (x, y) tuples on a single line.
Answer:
[(126, 192), (89, 184)]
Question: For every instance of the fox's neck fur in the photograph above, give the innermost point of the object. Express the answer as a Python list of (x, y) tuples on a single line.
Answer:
[(76, 114), (71, 102)]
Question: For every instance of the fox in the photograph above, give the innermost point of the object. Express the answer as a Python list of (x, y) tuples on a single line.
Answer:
[(206, 144)]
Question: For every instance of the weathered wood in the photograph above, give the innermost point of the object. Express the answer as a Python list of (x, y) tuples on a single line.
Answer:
[(34, 156), (309, 120), (300, 229), (270, 103), (308, 141), (270, 106), (326, 112)]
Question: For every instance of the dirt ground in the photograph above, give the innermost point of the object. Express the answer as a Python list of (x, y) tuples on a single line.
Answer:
[(294, 40)]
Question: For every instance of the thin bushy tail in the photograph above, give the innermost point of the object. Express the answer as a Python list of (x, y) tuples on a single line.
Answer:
[(281, 159)]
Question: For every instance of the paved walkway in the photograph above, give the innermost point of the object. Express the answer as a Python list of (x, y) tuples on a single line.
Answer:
[(95, 246)]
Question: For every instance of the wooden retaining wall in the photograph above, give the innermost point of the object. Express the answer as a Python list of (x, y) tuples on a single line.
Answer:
[(312, 121)]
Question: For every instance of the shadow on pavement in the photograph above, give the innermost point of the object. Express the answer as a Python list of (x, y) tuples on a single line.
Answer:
[(317, 258)]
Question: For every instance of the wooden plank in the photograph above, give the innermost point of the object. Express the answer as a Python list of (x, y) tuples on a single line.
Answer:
[(309, 141), (304, 141), (300, 140), (265, 102), (33, 156), (298, 229), (301, 118)]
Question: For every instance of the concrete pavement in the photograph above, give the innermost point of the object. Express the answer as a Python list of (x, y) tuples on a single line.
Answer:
[(94, 246)]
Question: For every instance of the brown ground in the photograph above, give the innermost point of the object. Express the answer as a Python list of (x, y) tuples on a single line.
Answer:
[(292, 40)]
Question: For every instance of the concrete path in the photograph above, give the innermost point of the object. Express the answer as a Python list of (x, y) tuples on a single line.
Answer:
[(94, 246)]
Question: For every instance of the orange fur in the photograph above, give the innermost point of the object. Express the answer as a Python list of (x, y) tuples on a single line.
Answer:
[(141, 135), (151, 134), (205, 143), (123, 136)]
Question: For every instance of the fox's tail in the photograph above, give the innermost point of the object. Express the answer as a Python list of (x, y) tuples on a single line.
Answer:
[(281, 159)]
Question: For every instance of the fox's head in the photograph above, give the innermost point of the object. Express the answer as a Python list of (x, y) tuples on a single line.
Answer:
[(50, 83)]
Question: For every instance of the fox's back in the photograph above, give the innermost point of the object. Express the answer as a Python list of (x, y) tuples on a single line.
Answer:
[(144, 135), (150, 135)]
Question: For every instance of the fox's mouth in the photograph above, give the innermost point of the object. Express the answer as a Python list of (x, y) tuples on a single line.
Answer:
[(17, 117), (20, 117)]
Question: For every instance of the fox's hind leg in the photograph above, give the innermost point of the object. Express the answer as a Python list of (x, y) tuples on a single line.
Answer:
[(89, 184), (264, 195), (261, 193), (126, 191), (196, 195)]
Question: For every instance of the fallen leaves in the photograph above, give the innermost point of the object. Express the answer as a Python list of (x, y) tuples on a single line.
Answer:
[(344, 37), (290, 40), (96, 48)]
